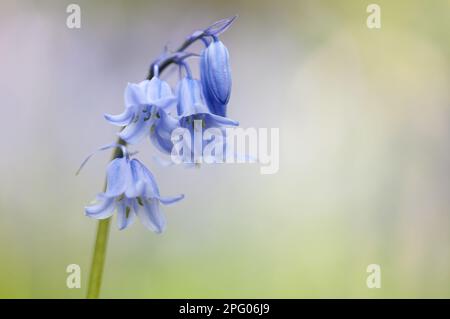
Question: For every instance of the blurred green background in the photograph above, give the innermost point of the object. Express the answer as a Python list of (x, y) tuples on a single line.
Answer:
[(364, 151)]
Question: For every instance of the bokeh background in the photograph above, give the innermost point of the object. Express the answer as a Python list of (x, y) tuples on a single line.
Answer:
[(364, 151)]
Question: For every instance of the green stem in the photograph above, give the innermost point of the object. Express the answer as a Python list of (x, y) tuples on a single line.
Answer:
[(98, 259), (101, 242)]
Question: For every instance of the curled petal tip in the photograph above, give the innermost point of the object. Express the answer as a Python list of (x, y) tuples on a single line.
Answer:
[(220, 26), (171, 200), (120, 119), (100, 210)]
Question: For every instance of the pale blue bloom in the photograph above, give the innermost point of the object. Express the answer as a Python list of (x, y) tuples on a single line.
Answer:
[(142, 102), (132, 191), (191, 106)]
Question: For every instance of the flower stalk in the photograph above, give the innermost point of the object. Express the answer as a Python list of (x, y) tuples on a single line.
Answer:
[(98, 259)]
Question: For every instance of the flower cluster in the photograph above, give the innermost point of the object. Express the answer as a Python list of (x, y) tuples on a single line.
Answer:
[(153, 110)]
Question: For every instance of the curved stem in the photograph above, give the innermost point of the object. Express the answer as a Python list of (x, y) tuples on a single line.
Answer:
[(213, 31), (101, 241), (171, 58)]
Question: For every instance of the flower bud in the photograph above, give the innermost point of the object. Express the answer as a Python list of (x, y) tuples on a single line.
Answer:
[(216, 77)]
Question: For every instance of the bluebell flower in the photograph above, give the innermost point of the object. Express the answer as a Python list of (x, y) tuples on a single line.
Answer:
[(132, 191), (195, 116), (142, 102), (191, 106), (215, 75)]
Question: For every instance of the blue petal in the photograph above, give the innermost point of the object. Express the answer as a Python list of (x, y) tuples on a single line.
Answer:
[(118, 177), (136, 185), (103, 209), (123, 118), (137, 129), (214, 106), (218, 71), (151, 188), (135, 93), (163, 145), (152, 217), (190, 98), (162, 132), (185, 100), (134, 205), (159, 93), (170, 200), (123, 221)]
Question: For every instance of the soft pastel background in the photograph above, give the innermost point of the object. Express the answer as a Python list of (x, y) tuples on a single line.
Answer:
[(364, 118)]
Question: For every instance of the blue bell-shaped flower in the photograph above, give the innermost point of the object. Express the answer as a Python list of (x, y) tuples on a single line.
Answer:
[(142, 102), (191, 106), (132, 191), (215, 76)]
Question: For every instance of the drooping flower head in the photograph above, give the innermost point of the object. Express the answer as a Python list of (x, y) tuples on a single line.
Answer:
[(194, 116), (131, 188), (191, 106), (131, 191), (142, 102)]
